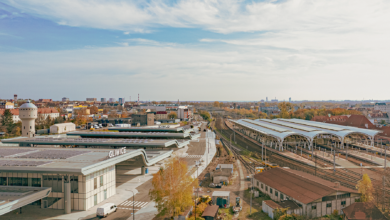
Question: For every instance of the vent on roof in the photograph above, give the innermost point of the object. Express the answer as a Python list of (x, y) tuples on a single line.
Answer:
[(336, 185)]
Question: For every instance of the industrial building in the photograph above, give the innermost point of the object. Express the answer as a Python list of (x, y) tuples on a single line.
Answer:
[(314, 196)]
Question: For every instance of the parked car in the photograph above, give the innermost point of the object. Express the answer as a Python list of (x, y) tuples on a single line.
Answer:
[(106, 209)]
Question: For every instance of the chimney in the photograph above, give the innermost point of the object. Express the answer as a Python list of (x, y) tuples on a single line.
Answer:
[(336, 185)]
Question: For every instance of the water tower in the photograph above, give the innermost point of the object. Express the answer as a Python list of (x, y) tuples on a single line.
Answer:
[(28, 112)]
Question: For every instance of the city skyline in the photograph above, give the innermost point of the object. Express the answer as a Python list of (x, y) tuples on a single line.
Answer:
[(307, 50)]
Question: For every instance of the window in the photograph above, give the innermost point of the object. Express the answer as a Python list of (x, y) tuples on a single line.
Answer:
[(101, 180), (17, 181), (74, 184), (281, 196), (266, 188), (3, 181), (36, 182), (313, 207), (270, 190), (95, 199), (55, 182), (343, 202), (257, 184), (105, 194), (95, 183), (262, 186), (328, 205), (30, 127), (276, 193)]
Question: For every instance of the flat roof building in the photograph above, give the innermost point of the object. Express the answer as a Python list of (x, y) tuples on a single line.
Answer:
[(78, 178)]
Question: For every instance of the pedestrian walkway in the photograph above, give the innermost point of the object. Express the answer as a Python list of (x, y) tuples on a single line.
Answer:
[(130, 202), (194, 156)]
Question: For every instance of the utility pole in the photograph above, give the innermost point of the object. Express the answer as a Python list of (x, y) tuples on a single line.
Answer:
[(384, 173), (334, 158)]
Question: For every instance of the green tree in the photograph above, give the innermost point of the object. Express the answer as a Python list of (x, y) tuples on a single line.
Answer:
[(7, 120)]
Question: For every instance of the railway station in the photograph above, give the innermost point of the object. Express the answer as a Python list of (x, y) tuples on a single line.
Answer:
[(139, 135), (282, 134), (78, 179), (98, 142)]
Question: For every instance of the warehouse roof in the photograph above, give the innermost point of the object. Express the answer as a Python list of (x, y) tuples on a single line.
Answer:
[(134, 135), (363, 211), (301, 186), (72, 160), (101, 142)]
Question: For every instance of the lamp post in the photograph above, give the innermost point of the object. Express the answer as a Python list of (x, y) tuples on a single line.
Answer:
[(133, 201)]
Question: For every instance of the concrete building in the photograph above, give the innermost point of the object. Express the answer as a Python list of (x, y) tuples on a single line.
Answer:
[(103, 100), (28, 112), (161, 115), (383, 107), (65, 99), (316, 197), (42, 112), (91, 99), (121, 100), (268, 206), (62, 128), (45, 100), (76, 179), (111, 100), (143, 119)]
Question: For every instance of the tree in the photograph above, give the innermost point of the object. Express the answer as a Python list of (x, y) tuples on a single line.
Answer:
[(364, 187), (172, 187), (6, 119), (113, 114), (124, 114), (93, 110), (172, 115)]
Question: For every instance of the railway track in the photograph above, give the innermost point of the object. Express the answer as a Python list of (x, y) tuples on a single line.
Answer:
[(345, 179)]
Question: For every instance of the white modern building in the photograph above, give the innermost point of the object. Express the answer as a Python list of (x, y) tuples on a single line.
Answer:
[(62, 128), (78, 179)]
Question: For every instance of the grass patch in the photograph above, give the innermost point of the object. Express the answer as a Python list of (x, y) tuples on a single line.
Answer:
[(256, 214), (228, 213), (259, 200)]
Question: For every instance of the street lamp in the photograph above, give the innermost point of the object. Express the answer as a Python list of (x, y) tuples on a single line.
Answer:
[(133, 201)]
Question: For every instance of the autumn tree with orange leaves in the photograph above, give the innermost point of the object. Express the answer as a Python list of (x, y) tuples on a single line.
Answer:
[(172, 187)]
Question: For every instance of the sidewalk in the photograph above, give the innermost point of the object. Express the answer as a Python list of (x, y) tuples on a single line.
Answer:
[(208, 154)]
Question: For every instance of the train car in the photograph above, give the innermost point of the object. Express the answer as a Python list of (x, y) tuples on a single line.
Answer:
[(259, 170), (270, 165)]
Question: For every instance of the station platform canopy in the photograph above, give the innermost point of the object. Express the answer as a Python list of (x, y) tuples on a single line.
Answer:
[(74, 161), (154, 129), (14, 197), (160, 135), (283, 128), (100, 142)]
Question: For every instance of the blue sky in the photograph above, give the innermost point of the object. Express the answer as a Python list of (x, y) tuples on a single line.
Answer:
[(195, 49)]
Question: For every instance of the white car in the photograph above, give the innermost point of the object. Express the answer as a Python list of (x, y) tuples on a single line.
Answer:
[(106, 209)]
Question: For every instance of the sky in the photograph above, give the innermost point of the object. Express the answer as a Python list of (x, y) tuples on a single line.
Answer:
[(195, 49)]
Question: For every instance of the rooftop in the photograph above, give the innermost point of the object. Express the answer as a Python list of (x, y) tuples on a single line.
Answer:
[(70, 160), (363, 211), (301, 186), (101, 142)]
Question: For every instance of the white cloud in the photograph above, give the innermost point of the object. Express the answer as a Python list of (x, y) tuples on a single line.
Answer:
[(321, 49), (191, 73)]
